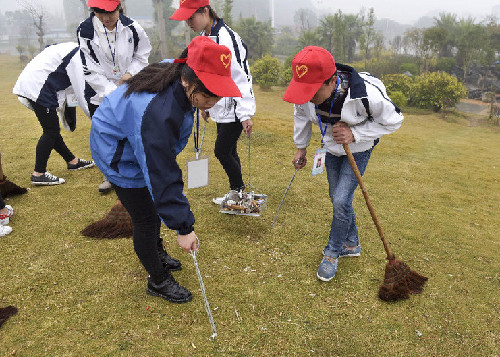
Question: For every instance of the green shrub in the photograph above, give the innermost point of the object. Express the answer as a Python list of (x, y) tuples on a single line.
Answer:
[(436, 90), (409, 67), (399, 99), (397, 83), (286, 75), (266, 71), (445, 64)]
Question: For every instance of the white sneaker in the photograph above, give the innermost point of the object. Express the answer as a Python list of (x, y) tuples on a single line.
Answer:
[(4, 230), (4, 218)]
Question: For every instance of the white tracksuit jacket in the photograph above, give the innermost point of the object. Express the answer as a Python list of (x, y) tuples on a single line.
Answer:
[(53, 75), (229, 110), (132, 52), (384, 119)]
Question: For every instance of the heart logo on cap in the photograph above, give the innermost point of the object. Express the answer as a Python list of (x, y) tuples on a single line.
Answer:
[(301, 70), (226, 60), (182, 2)]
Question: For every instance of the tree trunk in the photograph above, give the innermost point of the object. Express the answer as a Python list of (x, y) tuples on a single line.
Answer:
[(161, 28)]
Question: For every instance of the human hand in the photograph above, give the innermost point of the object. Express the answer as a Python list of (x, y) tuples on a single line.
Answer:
[(300, 160), (205, 115), (125, 77), (247, 127), (187, 241), (341, 133)]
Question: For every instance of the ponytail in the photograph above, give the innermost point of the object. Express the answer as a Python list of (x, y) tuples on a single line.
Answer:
[(157, 77)]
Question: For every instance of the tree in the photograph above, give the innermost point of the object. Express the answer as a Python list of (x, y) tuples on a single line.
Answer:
[(305, 19), (367, 38), (446, 24), (160, 21), (38, 15), (257, 35), (309, 38), (228, 8), (471, 39)]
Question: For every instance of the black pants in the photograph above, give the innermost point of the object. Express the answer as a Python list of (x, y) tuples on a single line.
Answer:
[(50, 139), (146, 224), (2, 202), (226, 152)]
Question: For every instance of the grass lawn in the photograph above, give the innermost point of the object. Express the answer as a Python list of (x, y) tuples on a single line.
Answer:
[(434, 185)]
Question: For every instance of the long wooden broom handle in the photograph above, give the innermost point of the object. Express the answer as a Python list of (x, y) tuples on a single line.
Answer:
[(390, 256)]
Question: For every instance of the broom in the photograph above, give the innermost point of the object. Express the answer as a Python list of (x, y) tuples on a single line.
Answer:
[(9, 188), (116, 224), (399, 281)]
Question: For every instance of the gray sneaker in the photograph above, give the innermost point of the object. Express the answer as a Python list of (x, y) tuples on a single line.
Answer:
[(105, 186), (47, 179)]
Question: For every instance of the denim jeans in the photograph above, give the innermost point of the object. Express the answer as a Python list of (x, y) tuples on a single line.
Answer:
[(342, 183)]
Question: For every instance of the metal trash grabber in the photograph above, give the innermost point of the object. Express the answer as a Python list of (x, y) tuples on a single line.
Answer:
[(202, 287), (286, 191)]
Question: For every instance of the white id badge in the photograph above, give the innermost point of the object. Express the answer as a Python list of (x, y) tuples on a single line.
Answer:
[(319, 161), (72, 100), (197, 172)]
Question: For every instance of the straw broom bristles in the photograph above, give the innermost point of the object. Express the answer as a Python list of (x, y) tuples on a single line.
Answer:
[(116, 224)]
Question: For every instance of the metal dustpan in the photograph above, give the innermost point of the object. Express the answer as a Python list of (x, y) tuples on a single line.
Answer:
[(250, 203)]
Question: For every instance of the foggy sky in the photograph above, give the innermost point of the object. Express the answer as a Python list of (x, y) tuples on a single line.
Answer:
[(402, 11)]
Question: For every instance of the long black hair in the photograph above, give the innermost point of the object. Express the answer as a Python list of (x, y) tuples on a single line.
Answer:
[(158, 76)]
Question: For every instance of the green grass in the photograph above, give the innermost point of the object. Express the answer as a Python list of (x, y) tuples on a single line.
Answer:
[(434, 184)]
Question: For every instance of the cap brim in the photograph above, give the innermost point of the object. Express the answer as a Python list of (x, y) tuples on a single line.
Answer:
[(222, 86), (108, 6), (182, 14), (300, 93)]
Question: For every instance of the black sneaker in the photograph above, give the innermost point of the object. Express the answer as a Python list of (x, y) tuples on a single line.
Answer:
[(46, 179), (169, 263), (169, 290), (80, 165)]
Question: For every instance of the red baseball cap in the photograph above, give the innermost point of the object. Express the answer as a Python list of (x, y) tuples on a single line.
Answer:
[(212, 64), (311, 68), (106, 5), (187, 9)]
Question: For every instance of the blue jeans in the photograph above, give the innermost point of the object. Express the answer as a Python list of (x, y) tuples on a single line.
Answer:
[(342, 183)]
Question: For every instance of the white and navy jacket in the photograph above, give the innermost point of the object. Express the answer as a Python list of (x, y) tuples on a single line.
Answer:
[(131, 55), (229, 110), (53, 75), (368, 121)]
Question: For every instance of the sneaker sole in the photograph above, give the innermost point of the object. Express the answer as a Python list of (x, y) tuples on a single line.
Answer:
[(177, 301), (173, 269), (46, 183), (345, 255), (324, 279), (105, 190), (82, 167)]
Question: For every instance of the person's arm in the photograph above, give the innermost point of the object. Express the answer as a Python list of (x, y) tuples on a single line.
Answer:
[(240, 73), (93, 70), (155, 151), (386, 119), (302, 132), (141, 54), (77, 80)]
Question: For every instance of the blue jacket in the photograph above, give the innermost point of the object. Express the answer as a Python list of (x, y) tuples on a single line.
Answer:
[(135, 140)]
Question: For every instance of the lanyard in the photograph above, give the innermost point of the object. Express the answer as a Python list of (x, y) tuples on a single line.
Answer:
[(323, 131), (110, 50), (211, 29), (197, 133)]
